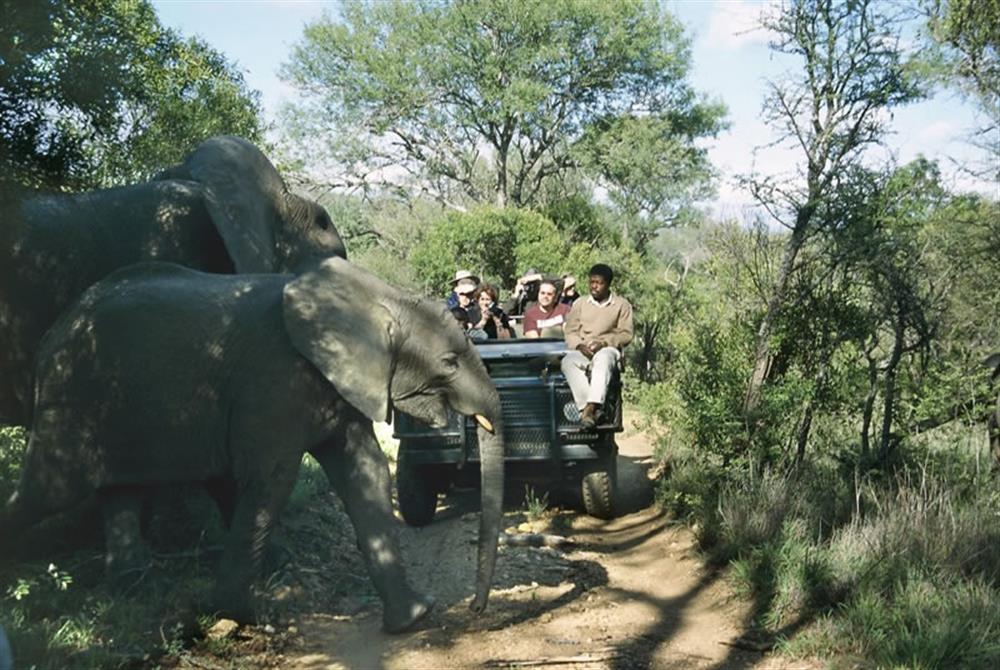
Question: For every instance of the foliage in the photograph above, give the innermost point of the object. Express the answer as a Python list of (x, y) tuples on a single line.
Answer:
[(904, 571), (13, 440), (535, 506), (497, 244), (651, 166), (97, 93), (852, 72), (482, 100), (965, 52)]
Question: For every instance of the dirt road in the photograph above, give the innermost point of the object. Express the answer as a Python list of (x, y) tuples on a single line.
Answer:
[(630, 593)]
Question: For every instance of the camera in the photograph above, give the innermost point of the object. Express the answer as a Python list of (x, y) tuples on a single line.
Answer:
[(495, 310)]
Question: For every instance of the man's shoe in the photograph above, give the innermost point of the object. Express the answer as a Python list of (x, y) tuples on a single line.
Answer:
[(588, 418)]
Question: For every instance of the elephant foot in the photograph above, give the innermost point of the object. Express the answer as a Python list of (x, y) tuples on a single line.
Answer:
[(126, 569), (403, 616), (240, 607)]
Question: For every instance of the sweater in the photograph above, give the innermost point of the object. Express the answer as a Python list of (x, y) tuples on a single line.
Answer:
[(609, 323)]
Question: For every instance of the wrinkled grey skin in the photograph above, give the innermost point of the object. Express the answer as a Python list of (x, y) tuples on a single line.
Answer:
[(162, 375), (6, 658), (225, 209)]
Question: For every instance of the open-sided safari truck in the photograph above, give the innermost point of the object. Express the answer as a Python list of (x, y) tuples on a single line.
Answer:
[(545, 442)]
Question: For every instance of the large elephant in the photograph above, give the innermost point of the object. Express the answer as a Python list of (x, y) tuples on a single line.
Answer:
[(225, 209), (161, 374)]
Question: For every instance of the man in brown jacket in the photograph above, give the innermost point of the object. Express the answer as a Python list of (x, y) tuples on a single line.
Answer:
[(597, 329)]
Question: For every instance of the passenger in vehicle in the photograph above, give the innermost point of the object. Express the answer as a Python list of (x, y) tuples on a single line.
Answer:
[(597, 329), (569, 294), (462, 278), (525, 293), (546, 319), (493, 320), (466, 293), (462, 317)]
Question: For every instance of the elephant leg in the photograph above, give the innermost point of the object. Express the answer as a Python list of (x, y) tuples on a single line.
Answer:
[(359, 472), (127, 557), (223, 492), (259, 500), (17, 516)]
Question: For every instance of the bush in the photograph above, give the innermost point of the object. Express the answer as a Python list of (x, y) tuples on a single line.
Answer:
[(13, 441), (496, 244), (904, 572)]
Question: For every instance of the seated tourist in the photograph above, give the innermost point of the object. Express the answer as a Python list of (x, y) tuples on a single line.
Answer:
[(462, 278), (462, 317), (466, 293), (525, 294), (493, 320), (569, 294), (597, 329), (546, 318)]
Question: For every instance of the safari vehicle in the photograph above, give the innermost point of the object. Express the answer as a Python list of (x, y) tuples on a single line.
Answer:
[(545, 442)]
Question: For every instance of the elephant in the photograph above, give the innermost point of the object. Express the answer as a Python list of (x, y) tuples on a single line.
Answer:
[(225, 209), (161, 374)]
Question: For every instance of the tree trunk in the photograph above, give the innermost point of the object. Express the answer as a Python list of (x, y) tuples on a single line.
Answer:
[(803, 434), (763, 359), (869, 410), (889, 392)]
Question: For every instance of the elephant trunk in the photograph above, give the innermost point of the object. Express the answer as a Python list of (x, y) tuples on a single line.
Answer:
[(491, 460)]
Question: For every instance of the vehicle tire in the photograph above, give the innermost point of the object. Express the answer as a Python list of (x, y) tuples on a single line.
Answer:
[(599, 487), (417, 493)]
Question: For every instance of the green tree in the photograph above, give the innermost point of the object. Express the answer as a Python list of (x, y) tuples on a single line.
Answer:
[(965, 53), (483, 100), (833, 109), (97, 92), (651, 167), (496, 244)]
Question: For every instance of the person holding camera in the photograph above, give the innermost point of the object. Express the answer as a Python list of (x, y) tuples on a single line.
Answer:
[(494, 321), (525, 293)]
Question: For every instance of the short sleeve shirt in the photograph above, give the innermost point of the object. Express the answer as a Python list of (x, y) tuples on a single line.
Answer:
[(536, 319)]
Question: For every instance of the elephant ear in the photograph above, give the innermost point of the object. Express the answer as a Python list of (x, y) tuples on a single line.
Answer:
[(335, 317), (244, 197)]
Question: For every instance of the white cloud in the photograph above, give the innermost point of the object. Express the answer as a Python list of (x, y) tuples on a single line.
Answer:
[(938, 132), (736, 23)]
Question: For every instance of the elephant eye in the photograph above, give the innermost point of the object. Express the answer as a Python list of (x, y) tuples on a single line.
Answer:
[(450, 364)]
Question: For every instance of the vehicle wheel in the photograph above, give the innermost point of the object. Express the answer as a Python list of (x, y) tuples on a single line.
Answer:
[(417, 493), (598, 488)]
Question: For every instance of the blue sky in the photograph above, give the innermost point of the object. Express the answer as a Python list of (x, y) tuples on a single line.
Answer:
[(730, 62)]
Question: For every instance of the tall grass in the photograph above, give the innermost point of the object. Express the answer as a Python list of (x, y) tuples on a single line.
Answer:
[(901, 571)]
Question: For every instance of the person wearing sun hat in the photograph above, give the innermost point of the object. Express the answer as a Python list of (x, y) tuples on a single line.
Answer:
[(569, 294), (462, 278)]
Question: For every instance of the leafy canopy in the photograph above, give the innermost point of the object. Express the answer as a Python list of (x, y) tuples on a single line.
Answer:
[(497, 244), (484, 99), (97, 92)]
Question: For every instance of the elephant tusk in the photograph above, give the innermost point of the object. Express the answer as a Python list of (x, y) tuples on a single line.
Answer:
[(485, 423)]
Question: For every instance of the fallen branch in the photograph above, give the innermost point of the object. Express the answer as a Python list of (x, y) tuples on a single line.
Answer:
[(534, 540), (607, 654), (750, 643)]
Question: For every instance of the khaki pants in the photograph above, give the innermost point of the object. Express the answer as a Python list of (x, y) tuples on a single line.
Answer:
[(575, 366)]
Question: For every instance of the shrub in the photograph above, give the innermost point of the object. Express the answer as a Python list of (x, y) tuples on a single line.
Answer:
[(13, 440)]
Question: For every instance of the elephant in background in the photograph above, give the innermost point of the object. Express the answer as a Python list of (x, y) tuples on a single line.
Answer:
[(161, 375), (225, 209)]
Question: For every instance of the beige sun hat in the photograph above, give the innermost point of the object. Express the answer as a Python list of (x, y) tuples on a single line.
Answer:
[(568, 281), (464, 275), (465, 287)]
